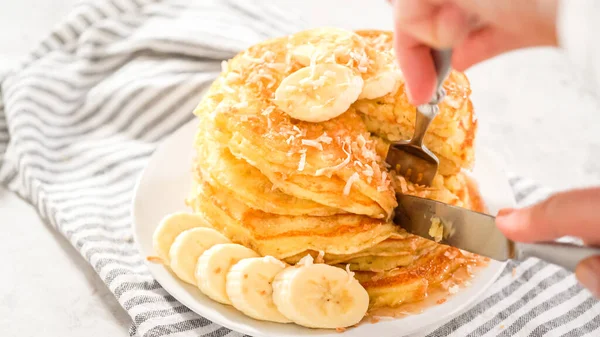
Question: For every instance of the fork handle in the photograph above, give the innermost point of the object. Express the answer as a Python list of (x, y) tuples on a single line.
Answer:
[(442, 60), (427, 112), (566, 255)]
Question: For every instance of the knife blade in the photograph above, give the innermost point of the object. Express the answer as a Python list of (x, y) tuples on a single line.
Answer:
[(462, 228), (477, 233)]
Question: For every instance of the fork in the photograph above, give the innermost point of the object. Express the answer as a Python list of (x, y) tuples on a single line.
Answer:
[(412, 158)]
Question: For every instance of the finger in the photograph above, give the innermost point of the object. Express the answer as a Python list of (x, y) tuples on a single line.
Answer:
[(417, 67), (436, 23), (573, 213), (483, 44), (588, 273)]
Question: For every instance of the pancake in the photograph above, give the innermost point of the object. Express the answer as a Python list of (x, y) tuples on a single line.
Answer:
[(224, 171), (282, 236), (287, 187), (307, 160), (437, 269), (398, 251), (450, 135)]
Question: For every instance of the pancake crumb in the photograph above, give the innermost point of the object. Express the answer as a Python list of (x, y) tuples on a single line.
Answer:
[(154, 259), (436, 231)]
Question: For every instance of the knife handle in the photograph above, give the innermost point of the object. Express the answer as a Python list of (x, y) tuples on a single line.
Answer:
[(566, 255)]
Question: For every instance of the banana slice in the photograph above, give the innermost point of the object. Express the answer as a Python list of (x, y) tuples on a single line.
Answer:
[(249, 288), (304, 53), (318, 93), (320, 296), (187, 248), (386, 78), (170, 227), (325, 45), (213, 266), (381, 83)]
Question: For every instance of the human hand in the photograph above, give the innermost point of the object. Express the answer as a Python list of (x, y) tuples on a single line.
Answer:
[(475, 29), (572, 213)]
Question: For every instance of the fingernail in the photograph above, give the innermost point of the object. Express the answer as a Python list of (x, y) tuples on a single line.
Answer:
[(505, 212), (588, 274)]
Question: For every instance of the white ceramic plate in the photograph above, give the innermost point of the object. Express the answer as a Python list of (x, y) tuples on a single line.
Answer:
[(164, 185)]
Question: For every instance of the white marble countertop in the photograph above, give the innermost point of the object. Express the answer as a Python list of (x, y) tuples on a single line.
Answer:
[(530, 109)]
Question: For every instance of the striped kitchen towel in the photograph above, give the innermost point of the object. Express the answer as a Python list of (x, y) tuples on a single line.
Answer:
[(82, 114)]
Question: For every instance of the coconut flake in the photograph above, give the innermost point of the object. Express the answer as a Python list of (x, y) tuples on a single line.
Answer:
[(321, 257), (268, 56), (361, 141), (224, 66), (313, 143), (305, 261), (350, 274), (454, 289), (403, 184), (241, 105), (271, 259), (384, 183), (324, 138), (232, 77), (334, 168), (268, 110), (302, 162), (354, 177)]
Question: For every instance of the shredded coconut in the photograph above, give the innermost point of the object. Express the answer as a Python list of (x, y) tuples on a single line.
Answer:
[(232, 77), (321, 257), (268, 110), (324, 138), (350, 274), (302, 162), (305, 261), (384, 182), (403, 184), (271, 259), (241, 105), (227, 87), (313, 143), (361, 141), (224, 66), (454, 289), (354, 177), (277, 66), (334, 168)]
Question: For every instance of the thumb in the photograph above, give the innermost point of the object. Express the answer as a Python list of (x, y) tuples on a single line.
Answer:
[(573, 213), (588, 273)]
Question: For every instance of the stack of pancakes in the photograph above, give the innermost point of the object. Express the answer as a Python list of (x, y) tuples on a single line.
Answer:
[(287, 188)]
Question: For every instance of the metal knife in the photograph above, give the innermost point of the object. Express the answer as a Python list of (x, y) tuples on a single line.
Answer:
[(477, 233)]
